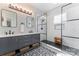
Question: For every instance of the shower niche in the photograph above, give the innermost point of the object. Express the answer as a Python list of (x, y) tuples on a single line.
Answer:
[(41, 28)]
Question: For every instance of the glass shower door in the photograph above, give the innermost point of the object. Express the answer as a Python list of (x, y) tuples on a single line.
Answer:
[(70, 28)]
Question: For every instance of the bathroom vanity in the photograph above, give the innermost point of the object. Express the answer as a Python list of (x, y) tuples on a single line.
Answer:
[(12, 43)]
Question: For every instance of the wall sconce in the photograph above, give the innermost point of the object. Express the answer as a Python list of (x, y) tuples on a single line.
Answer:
[(24, 11), (30, 13), (16, 8), (22, 27), (20, 9)]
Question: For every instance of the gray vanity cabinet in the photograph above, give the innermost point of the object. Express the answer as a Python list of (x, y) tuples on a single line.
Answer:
[(16, 42)]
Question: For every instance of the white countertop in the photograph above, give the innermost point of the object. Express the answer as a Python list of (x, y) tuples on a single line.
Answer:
[(17, 34)]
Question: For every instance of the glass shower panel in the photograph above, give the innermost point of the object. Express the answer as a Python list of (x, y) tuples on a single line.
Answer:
[(70, 32)]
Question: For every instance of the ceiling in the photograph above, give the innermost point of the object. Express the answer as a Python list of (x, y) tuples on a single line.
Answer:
[(44, 7)]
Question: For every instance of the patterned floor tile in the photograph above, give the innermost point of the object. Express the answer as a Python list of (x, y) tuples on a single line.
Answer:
[(40, 51)]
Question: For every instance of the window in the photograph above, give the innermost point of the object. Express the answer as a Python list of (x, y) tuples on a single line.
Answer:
[(57, 18), (57, 21)]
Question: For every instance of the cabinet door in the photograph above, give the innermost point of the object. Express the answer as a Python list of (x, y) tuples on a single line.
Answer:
[(3, 45), (31, 39), (8, 44), (12, 43), (27, 39), (35, 38), (20, 42)]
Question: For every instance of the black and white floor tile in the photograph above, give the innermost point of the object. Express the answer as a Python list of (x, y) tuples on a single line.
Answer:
[(40, 51)]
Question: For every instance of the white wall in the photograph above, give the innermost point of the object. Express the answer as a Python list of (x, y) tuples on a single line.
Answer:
[(21, 17), (51, 32)]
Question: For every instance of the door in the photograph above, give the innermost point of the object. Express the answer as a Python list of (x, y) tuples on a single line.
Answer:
[(70, 32)]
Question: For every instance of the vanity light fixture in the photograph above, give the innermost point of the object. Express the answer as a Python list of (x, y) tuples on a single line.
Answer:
[(20, 9)]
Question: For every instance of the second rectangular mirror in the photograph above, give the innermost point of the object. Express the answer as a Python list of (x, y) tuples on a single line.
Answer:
[(30, 22)]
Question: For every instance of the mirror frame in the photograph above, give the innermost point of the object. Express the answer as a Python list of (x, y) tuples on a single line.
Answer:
[(32, 19), (8, 11)]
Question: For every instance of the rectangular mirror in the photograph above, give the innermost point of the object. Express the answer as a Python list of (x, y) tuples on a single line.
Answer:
[(30, 22), (8, 18)]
